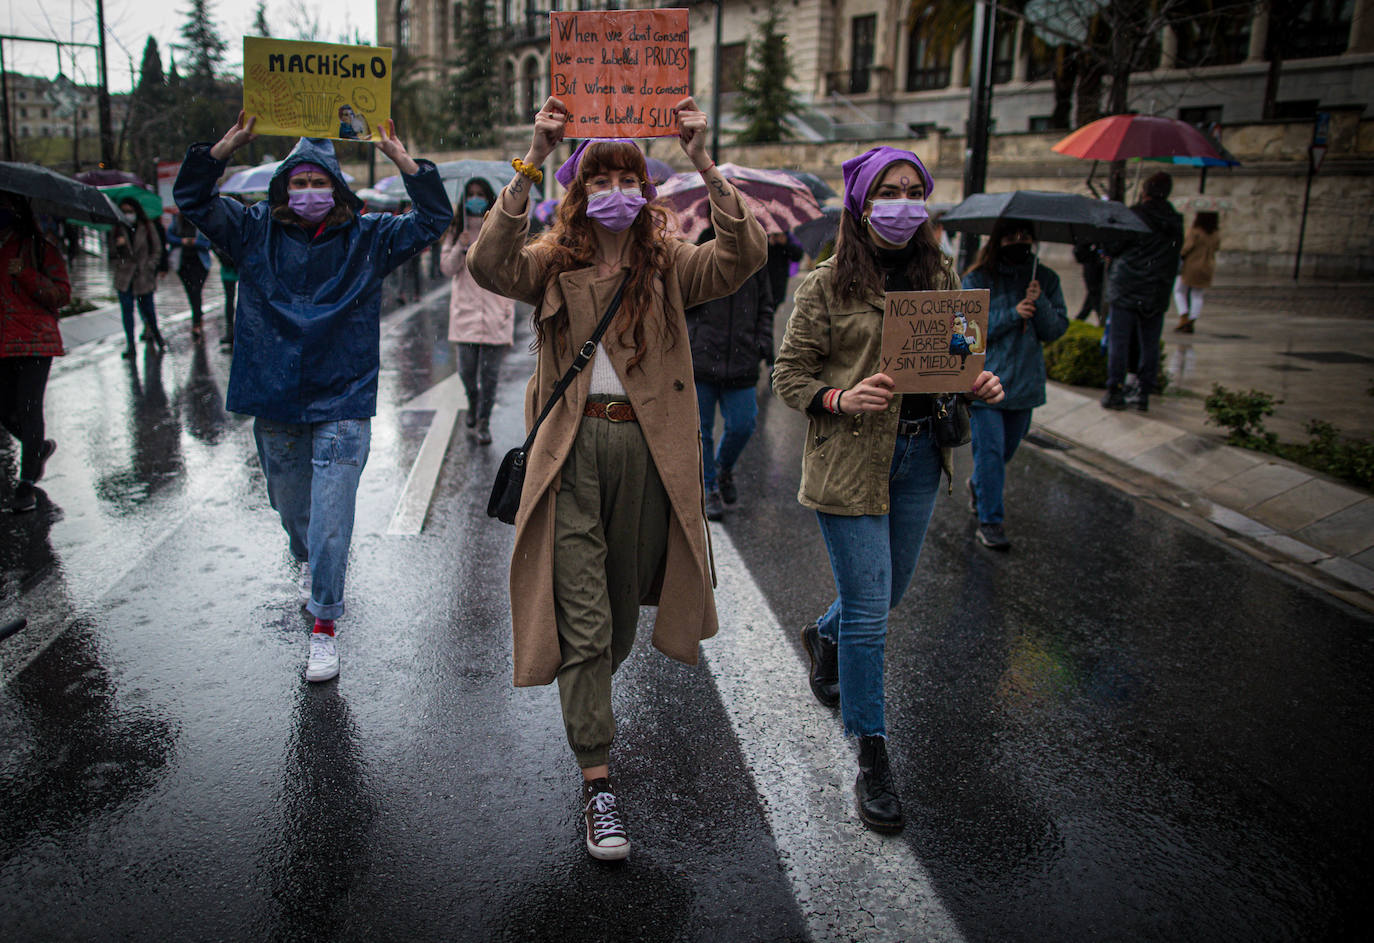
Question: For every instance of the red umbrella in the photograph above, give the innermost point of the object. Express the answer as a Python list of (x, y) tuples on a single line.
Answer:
[(1118, 137)]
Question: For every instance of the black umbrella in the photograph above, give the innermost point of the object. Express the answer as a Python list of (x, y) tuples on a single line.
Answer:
[(814, 234), (1057, 217), (818, 187), (50, 192)]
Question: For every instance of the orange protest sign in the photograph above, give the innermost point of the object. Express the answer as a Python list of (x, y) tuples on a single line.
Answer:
[(620, 72), (934, 341)]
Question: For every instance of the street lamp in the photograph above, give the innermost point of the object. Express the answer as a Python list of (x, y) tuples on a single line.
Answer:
[(979, 116)]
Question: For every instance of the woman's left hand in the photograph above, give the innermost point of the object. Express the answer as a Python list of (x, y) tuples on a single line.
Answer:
[(988, 388), (390, 145), (692, 125)]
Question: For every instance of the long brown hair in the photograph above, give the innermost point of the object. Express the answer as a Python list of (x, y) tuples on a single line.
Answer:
[(571, 244), (1206, 221), (856, 259)]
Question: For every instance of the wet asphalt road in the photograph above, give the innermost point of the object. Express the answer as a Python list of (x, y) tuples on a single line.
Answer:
[(1121, 730)]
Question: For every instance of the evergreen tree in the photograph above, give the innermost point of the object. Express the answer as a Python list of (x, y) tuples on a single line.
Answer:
[(206, 45), (766, 99), (474, 91), (150, 77), (260, 27)]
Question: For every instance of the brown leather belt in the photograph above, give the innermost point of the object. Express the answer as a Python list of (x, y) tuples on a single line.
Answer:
[(618, 411)]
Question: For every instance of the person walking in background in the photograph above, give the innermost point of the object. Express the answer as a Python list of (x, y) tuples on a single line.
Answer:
[(729, 337), (33, 287), (611, 514), (307, 361), (870, 466), (137, 253), (1026, 311), (193, 267), (1094, 270), (229, 281), (783, 253), (1199, 256), (481, 323), (1138, 283)]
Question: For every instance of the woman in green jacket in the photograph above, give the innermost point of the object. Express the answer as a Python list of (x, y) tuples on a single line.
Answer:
[(870, 468)]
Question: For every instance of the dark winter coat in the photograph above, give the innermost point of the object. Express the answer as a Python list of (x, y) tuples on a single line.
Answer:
[(306, 331), (1142, 271), (1015, 345), (730, 335)]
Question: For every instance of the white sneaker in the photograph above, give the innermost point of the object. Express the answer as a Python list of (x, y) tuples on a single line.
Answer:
[(324, 658), (305, 584)]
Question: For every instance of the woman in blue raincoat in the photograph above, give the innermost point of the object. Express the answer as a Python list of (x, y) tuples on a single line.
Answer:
[(306, 335), (1025, 313)]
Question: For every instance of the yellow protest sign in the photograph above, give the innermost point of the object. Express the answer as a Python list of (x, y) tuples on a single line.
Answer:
[(317, 90)]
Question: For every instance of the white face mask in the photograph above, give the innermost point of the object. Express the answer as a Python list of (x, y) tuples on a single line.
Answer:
[(130, 218)]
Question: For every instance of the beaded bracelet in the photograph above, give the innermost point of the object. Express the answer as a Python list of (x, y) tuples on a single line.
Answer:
[(527, 170)]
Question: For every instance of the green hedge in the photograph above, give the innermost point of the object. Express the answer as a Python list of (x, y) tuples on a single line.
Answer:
[(1077, 358)]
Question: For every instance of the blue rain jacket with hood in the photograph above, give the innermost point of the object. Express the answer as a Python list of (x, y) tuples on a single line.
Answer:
[(306, 328), (1015, 354)]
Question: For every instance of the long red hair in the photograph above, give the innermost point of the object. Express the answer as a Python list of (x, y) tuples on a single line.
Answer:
[(571, 244)]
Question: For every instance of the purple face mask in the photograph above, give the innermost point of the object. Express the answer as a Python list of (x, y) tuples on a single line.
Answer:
[(896, 221), (310, 205), (615, 209)]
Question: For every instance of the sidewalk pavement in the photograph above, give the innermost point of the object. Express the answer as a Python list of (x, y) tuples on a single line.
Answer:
[(1313, 346)]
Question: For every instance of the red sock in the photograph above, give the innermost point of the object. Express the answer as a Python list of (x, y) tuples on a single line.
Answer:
[(325, 626)]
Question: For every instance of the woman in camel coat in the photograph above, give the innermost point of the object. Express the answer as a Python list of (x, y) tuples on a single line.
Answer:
[(1199, 254), (612, 511)]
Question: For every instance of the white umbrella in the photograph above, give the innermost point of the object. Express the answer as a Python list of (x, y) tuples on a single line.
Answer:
[(258, 179), (377, 200)]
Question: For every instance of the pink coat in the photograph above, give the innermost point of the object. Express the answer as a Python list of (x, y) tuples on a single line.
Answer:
[(475, 315)]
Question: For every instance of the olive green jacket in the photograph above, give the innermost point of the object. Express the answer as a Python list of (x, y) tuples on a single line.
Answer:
[(836, 342)]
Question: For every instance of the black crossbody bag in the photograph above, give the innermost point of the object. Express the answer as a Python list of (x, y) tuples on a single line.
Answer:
[(510, 477)]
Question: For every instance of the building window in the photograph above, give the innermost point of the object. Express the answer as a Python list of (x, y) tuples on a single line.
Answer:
[(507, 12), (457, 22), (1201, 115), (23, 112), (733, 62), (1003, 49), (927, 62), (1042, 123), (861, 33), (403, 23), (533, 86), (1322, 28), (1042, 61), (1302, 109), (508, 92)]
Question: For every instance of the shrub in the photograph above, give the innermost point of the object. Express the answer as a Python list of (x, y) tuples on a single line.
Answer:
[(1243, 414), (1077, 358), (1349, 459), (77, 305)]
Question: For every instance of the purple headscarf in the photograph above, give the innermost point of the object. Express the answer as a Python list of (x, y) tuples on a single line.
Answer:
[(305, 167), (568, 172), (861, 171)]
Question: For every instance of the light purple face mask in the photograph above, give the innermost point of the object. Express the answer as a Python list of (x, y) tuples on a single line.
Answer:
[(310, 205), (615, 209), (896, 221)]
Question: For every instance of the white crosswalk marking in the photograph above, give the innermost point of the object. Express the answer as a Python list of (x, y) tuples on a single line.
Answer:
[(850, 883)]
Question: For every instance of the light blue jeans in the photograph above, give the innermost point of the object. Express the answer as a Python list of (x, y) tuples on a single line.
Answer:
[(312, 475), (739, 407), (873, 557), (996, 434)]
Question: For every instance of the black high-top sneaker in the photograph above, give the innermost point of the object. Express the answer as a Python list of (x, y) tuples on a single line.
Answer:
[(606, 838), (879, 806)]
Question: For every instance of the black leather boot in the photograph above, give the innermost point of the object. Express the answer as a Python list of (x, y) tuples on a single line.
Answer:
[(825, 665), (879, 806)]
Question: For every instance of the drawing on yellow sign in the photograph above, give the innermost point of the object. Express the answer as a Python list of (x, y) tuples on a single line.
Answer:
[(320, 90)]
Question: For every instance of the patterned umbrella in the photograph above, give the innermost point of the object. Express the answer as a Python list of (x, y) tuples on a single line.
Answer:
[(544, 211), (781, 202), (692, 221), (1118, 137)]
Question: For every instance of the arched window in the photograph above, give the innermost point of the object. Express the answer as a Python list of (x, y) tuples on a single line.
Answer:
[(532, 85), (403, 23), (927, 62), (508, 108)]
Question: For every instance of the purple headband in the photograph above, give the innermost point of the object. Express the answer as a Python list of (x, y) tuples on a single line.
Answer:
[(568, 172), (861, 171), (305, 167)]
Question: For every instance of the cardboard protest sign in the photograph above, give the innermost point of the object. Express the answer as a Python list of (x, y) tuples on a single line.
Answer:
[(317, 90), (620, 72), (934, 341)]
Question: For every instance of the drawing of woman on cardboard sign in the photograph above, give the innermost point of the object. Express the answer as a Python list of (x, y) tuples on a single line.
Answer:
[(958, 341), (352, 126)]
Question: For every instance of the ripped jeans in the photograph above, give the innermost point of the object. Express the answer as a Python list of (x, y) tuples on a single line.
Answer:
[(312, 475)]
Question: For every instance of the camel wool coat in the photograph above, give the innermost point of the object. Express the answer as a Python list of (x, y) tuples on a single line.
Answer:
[(663, 394)]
